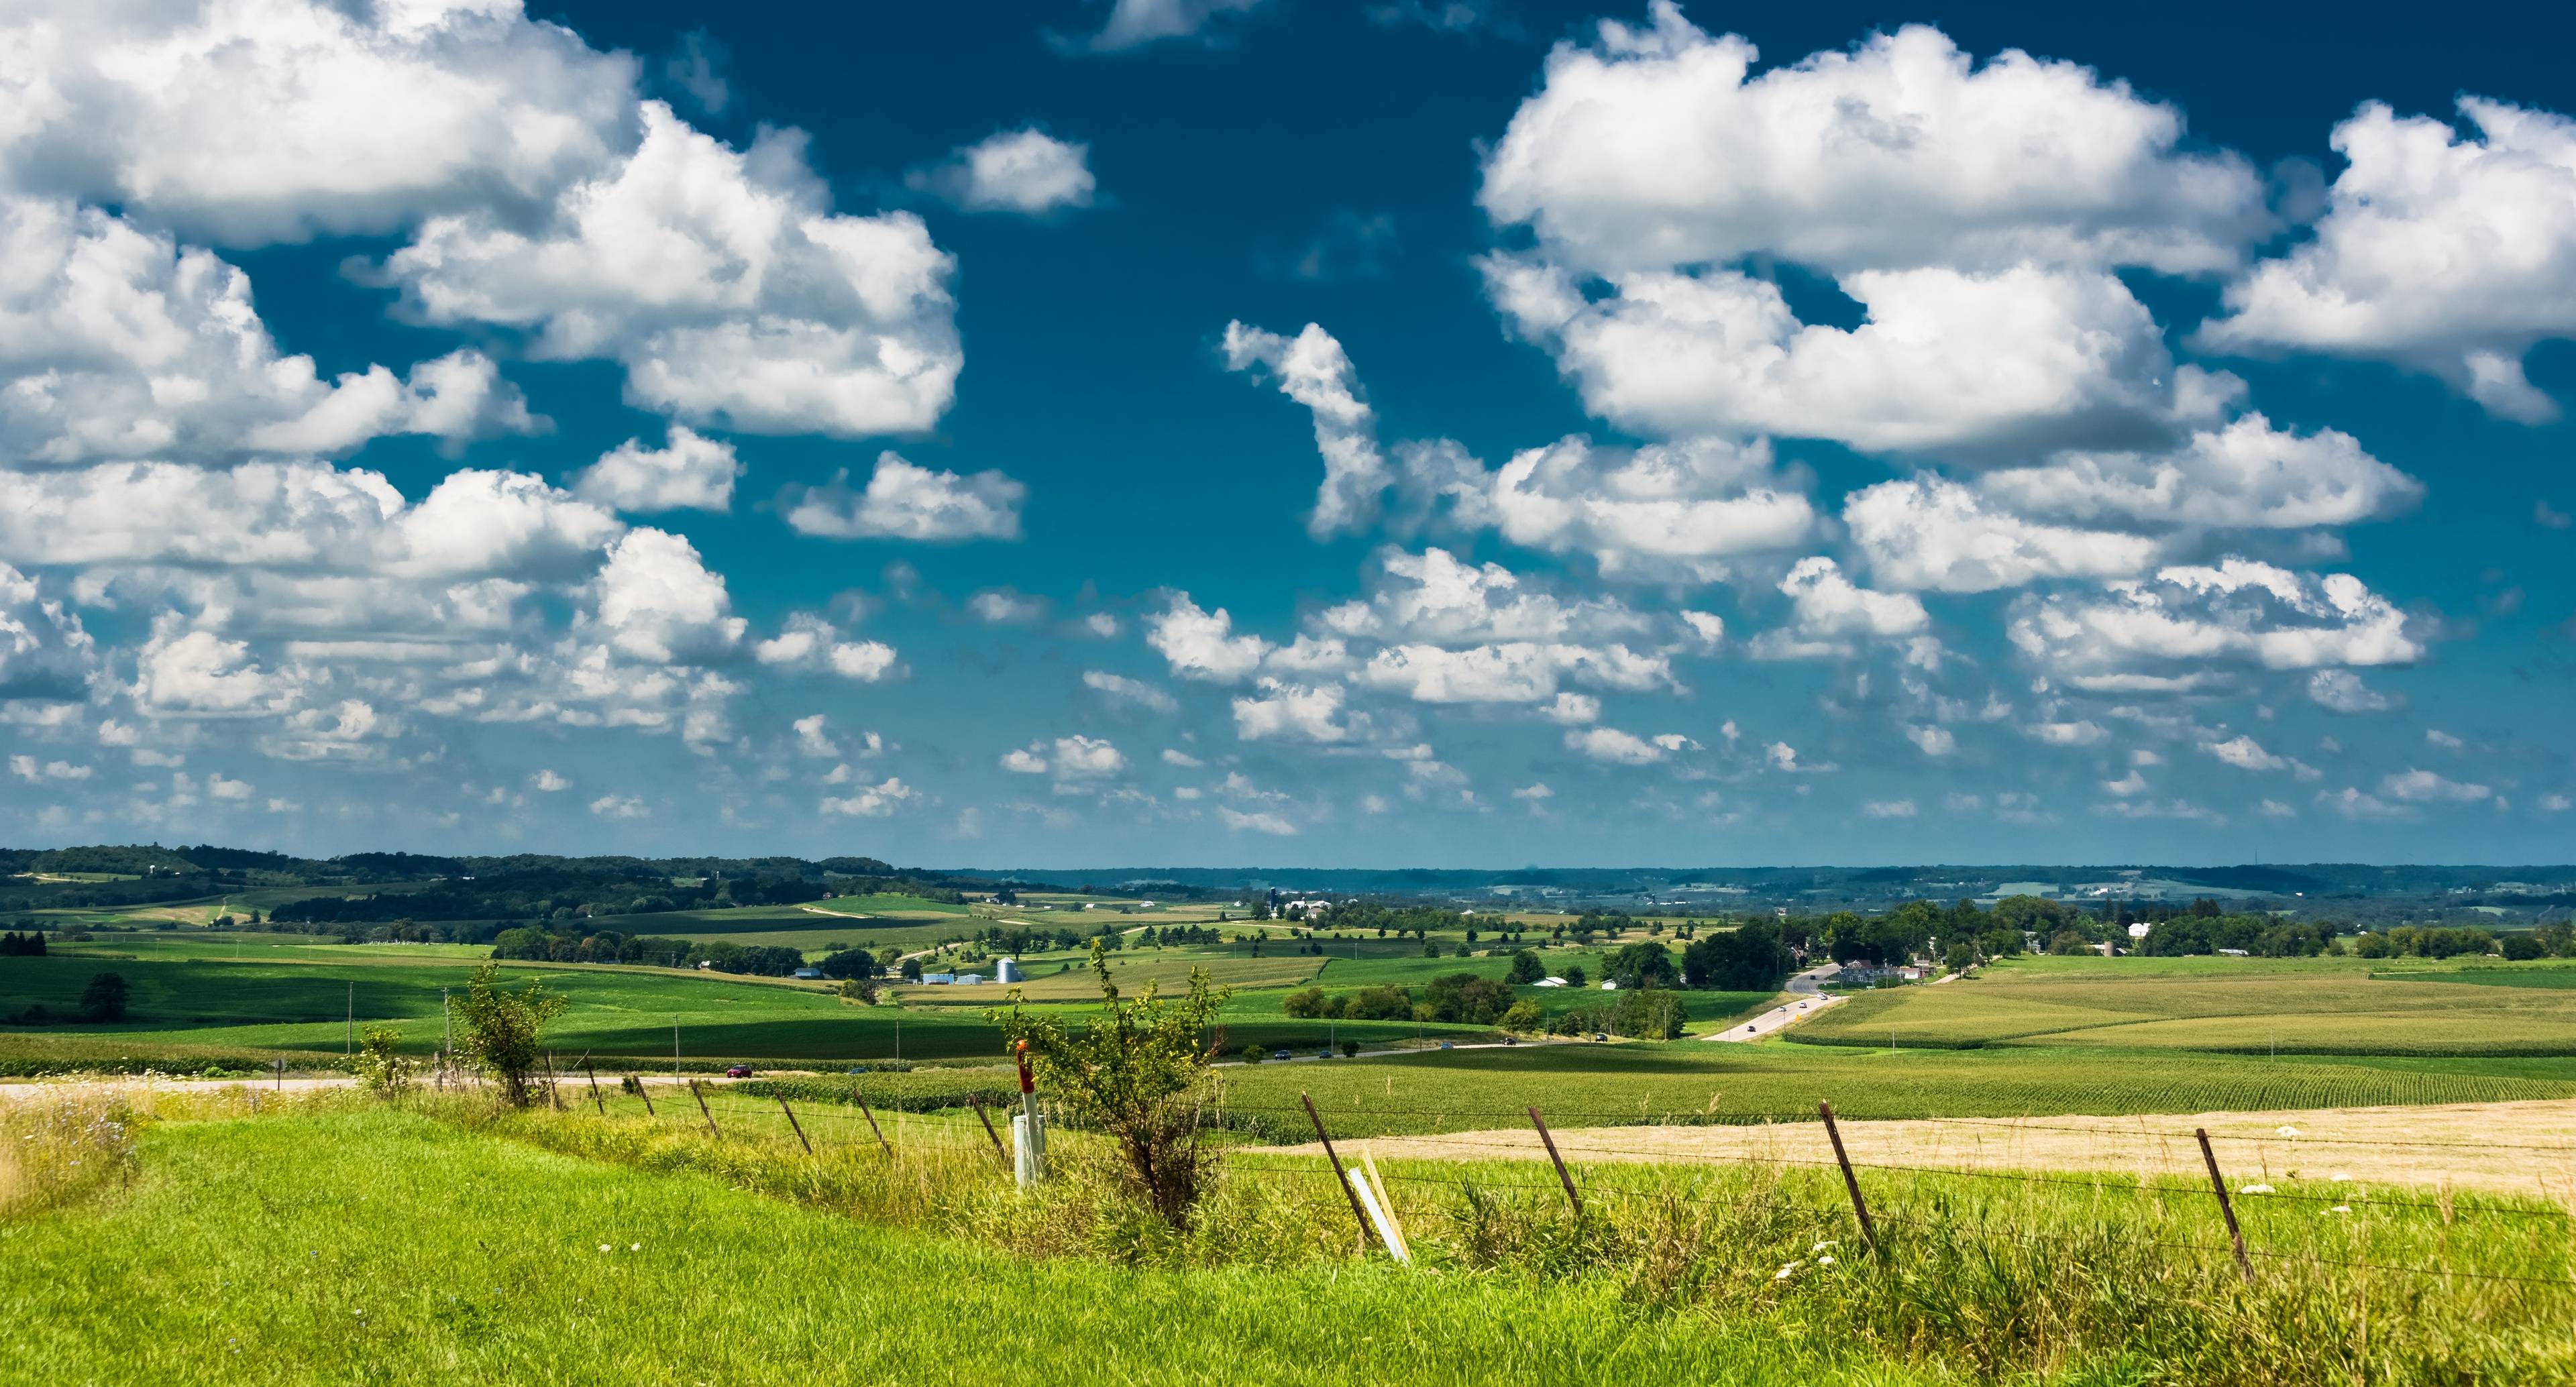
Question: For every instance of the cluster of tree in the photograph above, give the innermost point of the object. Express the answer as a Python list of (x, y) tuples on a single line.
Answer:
[(1175, 935), (2260, 935), (1650, 1014), (2413, 941), (1385, 918), (1381, 1002), (1752, 957), (2554, 940), (858, 963), (540, 945), (28, 945), (1023, 939)]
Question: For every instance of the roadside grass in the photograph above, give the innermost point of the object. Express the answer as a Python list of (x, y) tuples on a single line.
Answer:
[(2265, 1006), (335, 1238)]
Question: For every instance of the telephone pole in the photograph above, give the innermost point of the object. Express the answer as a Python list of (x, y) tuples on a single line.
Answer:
[(349, 1030)]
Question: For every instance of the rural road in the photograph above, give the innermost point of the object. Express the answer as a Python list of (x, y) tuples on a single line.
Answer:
[(1772, 1022)]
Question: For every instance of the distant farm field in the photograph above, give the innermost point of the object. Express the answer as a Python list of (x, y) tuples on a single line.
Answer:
[(2246, 1006)]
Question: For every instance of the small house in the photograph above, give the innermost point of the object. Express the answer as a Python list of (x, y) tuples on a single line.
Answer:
[(807, 973)]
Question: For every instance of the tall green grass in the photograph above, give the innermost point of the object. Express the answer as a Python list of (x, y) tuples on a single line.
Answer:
[(467, 1237)]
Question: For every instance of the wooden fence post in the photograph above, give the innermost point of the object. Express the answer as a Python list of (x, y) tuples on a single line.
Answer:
[(702, 1110), (796, 1126), (977, 1101), (1358, 1215), (644, 1093), (1860, 1207), (862, 1101), (2244, 1267), (1559, 1161), (595, 1100)]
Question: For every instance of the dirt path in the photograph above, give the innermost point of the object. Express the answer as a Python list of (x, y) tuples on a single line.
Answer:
[(2525, 1148)]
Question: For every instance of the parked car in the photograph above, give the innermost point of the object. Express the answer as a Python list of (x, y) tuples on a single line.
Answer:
[(739, 1071), (1600, 1035), (1507, 1040), (1324, 1053)]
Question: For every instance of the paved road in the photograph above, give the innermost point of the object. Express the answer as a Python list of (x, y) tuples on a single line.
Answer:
[(1773, 1021)]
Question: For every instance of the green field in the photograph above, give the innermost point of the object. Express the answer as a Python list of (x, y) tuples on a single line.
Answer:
[(2237, 1005), (338, 1239)]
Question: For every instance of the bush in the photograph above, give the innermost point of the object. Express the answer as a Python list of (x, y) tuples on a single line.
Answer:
[(1523, 1016), (1304, 1004), (1526, 968), (2522, 947), (503, 1031), (1464, 998), (849, 963), (1139, 1074), (1252, 1054), (1649, 1015), (382, 1067)]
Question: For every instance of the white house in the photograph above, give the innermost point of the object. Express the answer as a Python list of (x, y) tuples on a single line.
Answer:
[(1549, 982)]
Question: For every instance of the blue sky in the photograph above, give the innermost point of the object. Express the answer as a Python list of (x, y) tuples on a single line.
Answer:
[(1322, 432)]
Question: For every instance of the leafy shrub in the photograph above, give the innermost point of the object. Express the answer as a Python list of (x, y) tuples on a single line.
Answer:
[(381, 1066), (503, 1031)]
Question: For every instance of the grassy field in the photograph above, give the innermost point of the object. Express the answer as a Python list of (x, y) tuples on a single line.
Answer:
[(334, 1239), (1694, 1081), (2239, 1005)]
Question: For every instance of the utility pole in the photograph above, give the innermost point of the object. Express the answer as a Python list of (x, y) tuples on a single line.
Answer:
[(675, 1049), (349, 1030)]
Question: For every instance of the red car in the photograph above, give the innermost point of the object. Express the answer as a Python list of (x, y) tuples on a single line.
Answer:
[(739, 1071)]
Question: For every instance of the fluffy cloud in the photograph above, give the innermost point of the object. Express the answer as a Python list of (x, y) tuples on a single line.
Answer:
[(1296, 711), (44, 652), (1313, 370), (1931, 533), (1434, 596), (1071, 758), (809, 642), (1889, 809), (2449, 253), (655, 600), (1947, 359), (308, 517), (1653, 148), (688, 472), (2245, 753), (1614, 746), (1827, 610), (1509, 672), (182, 672), (872, 801), (720, 279), (350, 730), (282, 120), (904, 501), (1133, 23), (2138, 633), (1201, 644), (1023, 171), (1933, 741), (1685, 506), (2342, 691), (115, 342), (1256, 821), (2247, 475), (1975, 213), (2424, 787)]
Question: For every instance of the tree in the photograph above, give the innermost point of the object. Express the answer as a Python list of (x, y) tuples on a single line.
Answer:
[(1748, 958), (1523, 1016), (1643, 964), (1574, 975), (381, 1066), (851, 963), (104, 998), (1251, 1054), (1304, 1004), (1138, 1073), (1649, 1015), (1526, 968), (504, 1031)]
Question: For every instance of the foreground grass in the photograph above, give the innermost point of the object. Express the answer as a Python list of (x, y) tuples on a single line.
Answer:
[(380, 1246)]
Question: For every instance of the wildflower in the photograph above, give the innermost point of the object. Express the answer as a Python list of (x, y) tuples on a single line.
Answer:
[(635, 1247), (1826, 1260), (2340, 1209), (603, 1247), (1822, 1245), (1783, 1273), (2256, 1189)]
